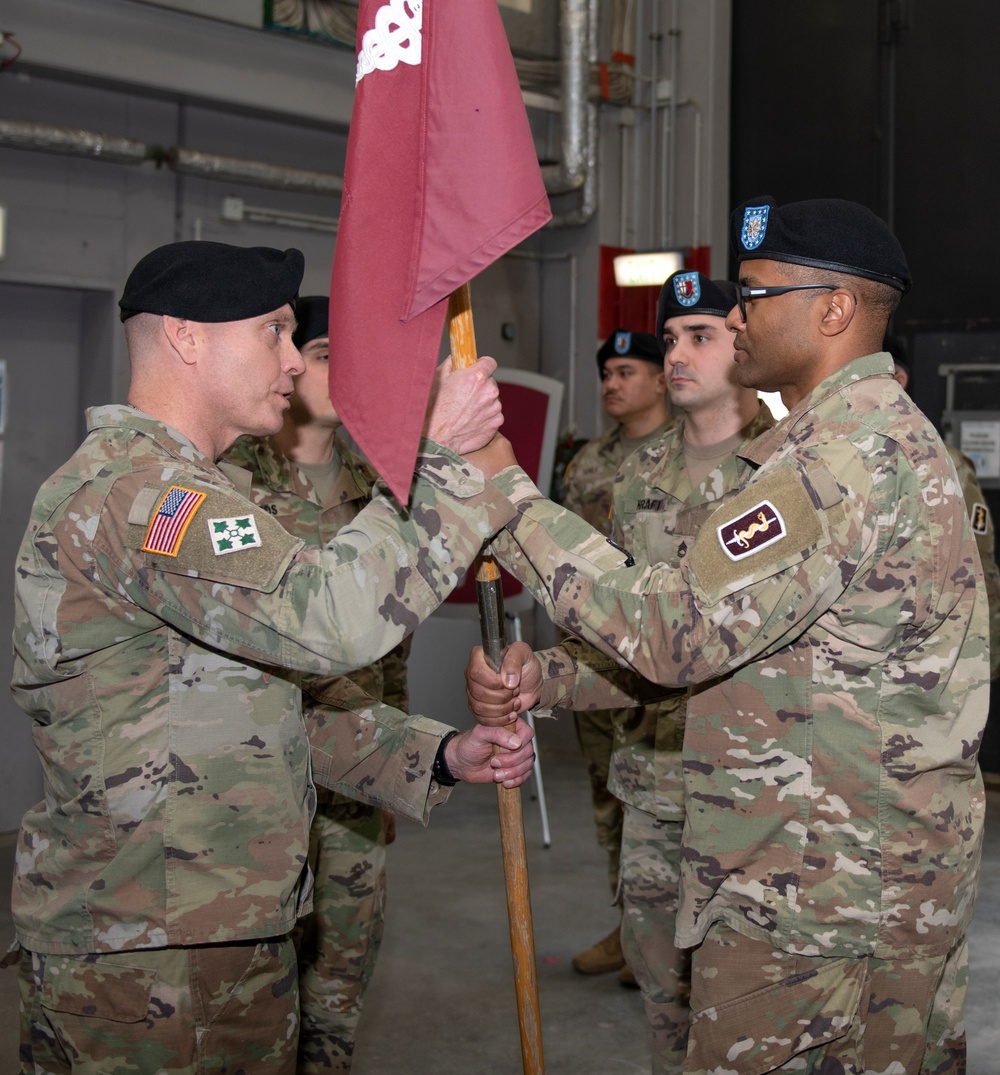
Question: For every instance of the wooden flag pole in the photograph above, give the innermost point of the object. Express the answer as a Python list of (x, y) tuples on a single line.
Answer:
[(489, 592)]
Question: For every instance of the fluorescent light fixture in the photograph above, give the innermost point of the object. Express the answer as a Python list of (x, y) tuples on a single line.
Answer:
[(651, 268)]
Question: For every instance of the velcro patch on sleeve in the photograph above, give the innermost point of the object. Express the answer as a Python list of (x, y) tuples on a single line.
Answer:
[(772, 524), (233, 533), (754, 530), (231, 541), (174, 514)]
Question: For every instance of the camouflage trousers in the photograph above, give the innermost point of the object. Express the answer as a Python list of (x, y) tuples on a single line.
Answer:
[(757, 1009), (649, 886), (172, 1011), (596, 733), (339, 941)]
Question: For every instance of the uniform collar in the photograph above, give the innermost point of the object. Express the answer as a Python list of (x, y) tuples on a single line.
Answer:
[(875, 365), (669, 473), (616, 437), (279, 473), (122, 416)]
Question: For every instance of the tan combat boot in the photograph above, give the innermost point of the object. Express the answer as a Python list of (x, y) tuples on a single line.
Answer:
[(626, 977), (603, 958)]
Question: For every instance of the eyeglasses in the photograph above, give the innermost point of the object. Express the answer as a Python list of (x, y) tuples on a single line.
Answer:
[(744, 293)]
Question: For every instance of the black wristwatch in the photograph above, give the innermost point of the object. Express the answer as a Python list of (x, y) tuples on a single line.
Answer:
[(439, 770)]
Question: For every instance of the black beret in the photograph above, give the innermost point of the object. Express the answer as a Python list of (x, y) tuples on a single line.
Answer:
[(693, 293), (826, 233), (312, 312), (206, 281), (624, 344)]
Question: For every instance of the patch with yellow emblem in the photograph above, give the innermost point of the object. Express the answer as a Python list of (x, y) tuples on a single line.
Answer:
[(754, 530)]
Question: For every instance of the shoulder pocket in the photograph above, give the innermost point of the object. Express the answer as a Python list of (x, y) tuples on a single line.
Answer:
[(777, 521), (225, 538)]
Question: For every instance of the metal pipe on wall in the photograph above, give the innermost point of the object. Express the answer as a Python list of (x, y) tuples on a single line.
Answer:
[(590, 135), (574, 78), (670, 230), (256, 173), (665, 241), (654, 94), (73, 142)]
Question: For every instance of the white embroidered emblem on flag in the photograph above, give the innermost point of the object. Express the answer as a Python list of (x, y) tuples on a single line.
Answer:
[(395, 38), (231, 535)]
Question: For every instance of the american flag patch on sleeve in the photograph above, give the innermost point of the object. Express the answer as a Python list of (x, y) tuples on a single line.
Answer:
[(171, 519)]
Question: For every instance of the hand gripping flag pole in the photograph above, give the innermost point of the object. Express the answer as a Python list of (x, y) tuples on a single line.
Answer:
[(489, 594), (435, 85)]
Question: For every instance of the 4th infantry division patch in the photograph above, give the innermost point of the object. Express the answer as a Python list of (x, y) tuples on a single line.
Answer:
[(233, 534), (171, 519)]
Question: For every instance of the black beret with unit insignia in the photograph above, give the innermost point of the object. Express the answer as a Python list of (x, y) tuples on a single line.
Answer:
[(312, 312), (624, 344), (213, 282), (693, 293), (824, 233)]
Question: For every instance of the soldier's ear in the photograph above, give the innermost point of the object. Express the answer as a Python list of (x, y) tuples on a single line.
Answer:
[(838, 310), (183, 337)]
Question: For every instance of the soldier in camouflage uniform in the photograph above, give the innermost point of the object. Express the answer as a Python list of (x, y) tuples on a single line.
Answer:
[(981, 521), (663, 494), (313, 486), (833, 619), (633, 391), (979, 516), (165, 630)]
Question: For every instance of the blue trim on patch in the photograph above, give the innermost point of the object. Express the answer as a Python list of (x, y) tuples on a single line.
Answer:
[(754, 226), (687, 288)]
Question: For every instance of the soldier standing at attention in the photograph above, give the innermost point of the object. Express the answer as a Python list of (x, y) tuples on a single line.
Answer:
[(663, 495), (833, 621), (164, 630), (633, 391), (313, 485)]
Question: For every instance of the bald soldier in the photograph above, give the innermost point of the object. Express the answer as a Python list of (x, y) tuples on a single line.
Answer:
[(832, 618), (165, 629), (634, 394)]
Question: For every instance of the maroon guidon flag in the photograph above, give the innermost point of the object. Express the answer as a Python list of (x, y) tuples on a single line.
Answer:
[(442, 178)]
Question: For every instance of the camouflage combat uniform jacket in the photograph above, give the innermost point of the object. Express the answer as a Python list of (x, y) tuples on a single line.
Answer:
[(176, 764), (285, 492), (657, 515), (984, 529), (832, 614), (591, 472)]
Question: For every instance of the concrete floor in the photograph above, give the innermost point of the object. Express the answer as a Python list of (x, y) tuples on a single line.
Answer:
[(442, 999)]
